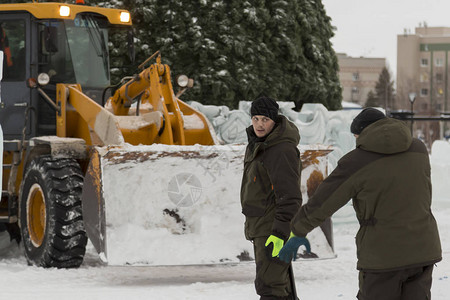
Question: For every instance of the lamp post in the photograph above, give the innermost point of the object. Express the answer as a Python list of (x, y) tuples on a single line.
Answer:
[(412, 98)]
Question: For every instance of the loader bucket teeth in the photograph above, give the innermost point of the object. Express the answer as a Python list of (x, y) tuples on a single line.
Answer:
[(94, 205)]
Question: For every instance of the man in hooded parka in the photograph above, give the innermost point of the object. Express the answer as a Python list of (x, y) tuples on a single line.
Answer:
[(388, 178)]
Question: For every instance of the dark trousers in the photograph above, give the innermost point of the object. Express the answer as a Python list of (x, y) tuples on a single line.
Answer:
[(406, 284), (272, 275)]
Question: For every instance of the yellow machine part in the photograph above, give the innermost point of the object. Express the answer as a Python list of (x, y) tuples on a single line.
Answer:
[(164, 119), (82, 117), (154, 89), (51, 10)]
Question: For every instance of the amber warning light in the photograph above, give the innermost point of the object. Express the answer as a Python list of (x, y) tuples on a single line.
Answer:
[(64, 11), (124, 17)]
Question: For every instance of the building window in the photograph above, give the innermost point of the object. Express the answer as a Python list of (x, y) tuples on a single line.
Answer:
[(438, 106), (439, 77), (355, 90), (424, 92), (424, 77), (439, 62), (424, 62), (440, 92), (424, 106), (355, 76)]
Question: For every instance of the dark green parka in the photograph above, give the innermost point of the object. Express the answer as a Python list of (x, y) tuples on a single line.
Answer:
[(388, 178), (270, 190)]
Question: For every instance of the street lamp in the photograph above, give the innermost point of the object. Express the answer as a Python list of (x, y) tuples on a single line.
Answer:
[(412, 98)]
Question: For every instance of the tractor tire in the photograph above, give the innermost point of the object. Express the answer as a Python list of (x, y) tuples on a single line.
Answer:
[(50, 213)]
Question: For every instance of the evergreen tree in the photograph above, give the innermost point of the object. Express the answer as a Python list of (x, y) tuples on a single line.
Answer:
[(372, 100), (384, 90), (237, 50)]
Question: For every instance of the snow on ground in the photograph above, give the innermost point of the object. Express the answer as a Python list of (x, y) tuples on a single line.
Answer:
[(315, 279)]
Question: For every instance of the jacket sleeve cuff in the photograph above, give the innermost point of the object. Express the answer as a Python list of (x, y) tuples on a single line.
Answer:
[(281, 229), (298, 234)]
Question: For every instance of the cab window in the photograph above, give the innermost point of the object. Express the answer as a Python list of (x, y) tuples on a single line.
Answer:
[(12, 43)]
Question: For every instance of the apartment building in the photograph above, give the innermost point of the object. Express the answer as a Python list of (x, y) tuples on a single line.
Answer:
[(358, 76), (423, 69)]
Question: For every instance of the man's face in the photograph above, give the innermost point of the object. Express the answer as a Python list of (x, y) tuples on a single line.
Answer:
[(262, 125)]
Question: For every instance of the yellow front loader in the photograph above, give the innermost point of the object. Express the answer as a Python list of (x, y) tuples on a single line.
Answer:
[(138, 167)]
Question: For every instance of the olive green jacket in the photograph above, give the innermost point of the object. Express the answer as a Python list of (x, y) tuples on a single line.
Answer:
[(388, 178), (270, 190)]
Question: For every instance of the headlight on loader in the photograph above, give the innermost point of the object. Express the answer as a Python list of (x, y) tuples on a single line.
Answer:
[(43, 79), (182, 80), (185, 82)]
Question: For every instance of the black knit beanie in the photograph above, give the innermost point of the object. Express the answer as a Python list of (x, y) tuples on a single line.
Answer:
[(365, 118), (265, 106)]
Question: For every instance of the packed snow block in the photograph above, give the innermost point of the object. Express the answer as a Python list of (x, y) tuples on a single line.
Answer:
[(440, 171), (210, 111), (229, 126), (316, 124), (171, 205), (232, 130)]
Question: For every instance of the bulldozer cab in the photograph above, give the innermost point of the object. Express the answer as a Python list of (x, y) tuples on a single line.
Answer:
[(75, 51), (69, 50), (72, 51)]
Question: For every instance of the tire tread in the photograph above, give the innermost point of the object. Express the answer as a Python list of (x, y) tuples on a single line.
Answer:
[(65, 245)]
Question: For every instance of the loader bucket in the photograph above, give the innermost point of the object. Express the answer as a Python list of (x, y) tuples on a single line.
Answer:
[(171, 205), (93, 205)]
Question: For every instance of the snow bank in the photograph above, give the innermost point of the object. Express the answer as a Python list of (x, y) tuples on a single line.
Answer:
[(440, 171)]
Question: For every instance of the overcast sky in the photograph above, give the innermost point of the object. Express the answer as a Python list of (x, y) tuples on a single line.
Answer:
[(370, 28)]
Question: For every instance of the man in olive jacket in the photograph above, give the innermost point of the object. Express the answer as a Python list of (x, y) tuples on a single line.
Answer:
[(270, 193), (388, 178)]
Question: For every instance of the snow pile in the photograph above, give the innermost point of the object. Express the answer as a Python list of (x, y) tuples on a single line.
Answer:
[(167, 209), (350, 105), (440, 171), (229, 125), (181, 205)]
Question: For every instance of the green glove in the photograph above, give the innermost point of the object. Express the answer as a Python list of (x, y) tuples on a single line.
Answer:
[(277, 244), (289, 251)]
